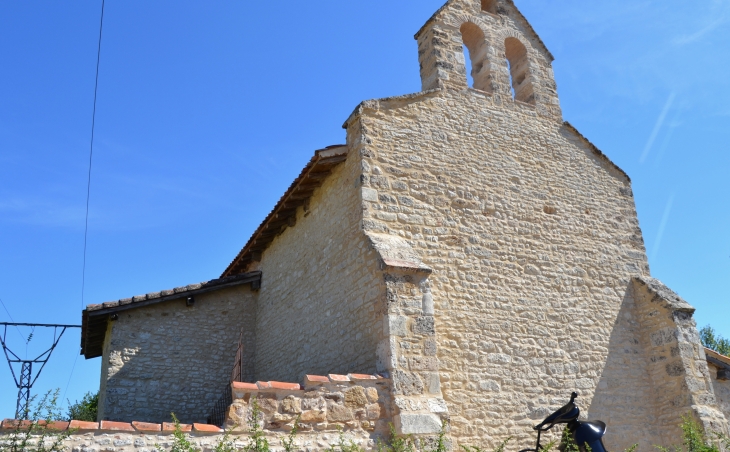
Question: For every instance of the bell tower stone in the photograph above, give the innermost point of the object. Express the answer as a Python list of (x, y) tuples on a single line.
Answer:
[(508, 59)]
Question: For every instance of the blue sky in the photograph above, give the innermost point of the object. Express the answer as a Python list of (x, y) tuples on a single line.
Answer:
[(208, 110)]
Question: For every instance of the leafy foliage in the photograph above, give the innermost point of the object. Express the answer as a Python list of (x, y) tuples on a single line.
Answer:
[(38, 433), (257, 441), (345, 446), (288, 442), (84, 409), (499, 448), (714, 341), (180, 441), (396, 443)]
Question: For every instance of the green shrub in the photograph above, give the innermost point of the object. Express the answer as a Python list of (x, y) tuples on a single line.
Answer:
[(714, 341), (288, 441), (84, 409), (257, 442), (396, 443), (37, 434), (180, 441), (345, 446)]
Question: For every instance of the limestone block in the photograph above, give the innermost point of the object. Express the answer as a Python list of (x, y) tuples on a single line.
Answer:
[(355, 397), (291, 405), (338, 413), (373, 411), (313, 416), (407, 383), (369, 194), (372, 394), (417, 424), (396, 325)]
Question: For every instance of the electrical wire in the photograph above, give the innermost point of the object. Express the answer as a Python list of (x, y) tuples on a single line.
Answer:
[(11, 317), (88, 181), (91, 153)]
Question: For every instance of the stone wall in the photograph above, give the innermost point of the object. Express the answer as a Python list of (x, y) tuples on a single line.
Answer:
[(491, 39), (722, 391), (353, 408), (676, 362), (146, 437), (625, 397), (321, 297), (169, 357), (532, 236), (349, 403)]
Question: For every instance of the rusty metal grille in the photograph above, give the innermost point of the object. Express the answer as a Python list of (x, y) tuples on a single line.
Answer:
[(218, 416)]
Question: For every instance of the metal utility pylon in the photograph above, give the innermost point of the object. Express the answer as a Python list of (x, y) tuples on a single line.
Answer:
[(26, 380)]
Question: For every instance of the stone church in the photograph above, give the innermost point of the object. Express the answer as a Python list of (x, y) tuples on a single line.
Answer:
[(467, 256)]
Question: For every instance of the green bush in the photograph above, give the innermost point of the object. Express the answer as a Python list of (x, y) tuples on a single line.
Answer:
[(37, 433), (84, 409), (180, 441), (714, 341)]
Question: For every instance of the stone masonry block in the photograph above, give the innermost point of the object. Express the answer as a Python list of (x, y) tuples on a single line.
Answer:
[(396, 325), (417, 424)]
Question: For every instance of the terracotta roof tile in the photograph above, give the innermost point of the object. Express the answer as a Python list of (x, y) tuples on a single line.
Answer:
[(116, 426), (146, 426), (303, 187), (207, 428), (338, 378), (282, 385), (96, 326), (83, 425), (170, 427)]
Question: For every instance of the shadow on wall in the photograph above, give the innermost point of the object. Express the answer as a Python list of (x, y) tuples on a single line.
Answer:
[(624, 398), (173, 358)]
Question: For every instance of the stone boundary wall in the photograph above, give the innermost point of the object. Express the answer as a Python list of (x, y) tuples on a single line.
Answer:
[(120, 437), (353, 407), (349, 403)]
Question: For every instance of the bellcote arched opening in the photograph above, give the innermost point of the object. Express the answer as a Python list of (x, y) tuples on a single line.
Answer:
[(489, 6), (519, 68), (476, 53)]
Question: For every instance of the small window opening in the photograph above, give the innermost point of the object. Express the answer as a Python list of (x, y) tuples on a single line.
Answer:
[(489, 6), (477, 65), (519, 69)]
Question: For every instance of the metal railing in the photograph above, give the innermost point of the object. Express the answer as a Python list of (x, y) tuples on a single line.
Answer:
[(218, 415)]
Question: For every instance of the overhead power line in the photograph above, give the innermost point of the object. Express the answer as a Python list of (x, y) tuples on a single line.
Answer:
[(88, 181), (91, 152)]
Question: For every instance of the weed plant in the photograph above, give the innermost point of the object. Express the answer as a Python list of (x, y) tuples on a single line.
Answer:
[(37, 432)]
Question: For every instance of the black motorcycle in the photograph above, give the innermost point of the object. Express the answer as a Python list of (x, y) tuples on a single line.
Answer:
[(584, 433)]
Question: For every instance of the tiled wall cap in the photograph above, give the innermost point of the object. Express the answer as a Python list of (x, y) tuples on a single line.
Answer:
[(83, 425), (116, 426), (356, 377), (55, 425), (244, 386), (146, 426), (170, 427), (94, 307), (316, 379), (207, 428), (287, 386), (338, 378), (12, 424)]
